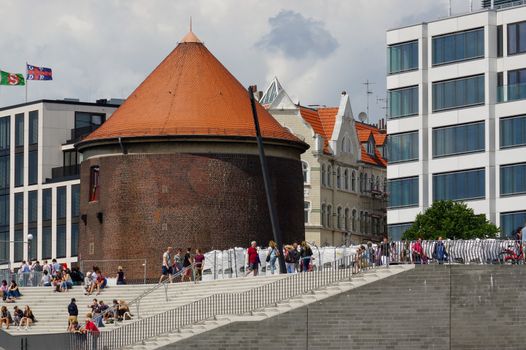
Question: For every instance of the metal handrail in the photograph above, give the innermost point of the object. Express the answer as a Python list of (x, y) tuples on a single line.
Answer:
[(137, 300), (221, 304)]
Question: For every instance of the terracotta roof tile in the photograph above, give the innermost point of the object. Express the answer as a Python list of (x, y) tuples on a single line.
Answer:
[(189, 93)]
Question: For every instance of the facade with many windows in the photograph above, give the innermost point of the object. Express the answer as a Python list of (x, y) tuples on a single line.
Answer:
[(343, 171), (39, 178), (457, 124)]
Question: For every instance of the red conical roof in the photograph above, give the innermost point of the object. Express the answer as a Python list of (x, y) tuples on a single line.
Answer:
[(189, 93)]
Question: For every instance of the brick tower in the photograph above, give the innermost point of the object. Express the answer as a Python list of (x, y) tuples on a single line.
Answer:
[(177, 165)]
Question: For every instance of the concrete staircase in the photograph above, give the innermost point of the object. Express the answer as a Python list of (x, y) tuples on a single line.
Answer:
[(169, 340), (50, 308)]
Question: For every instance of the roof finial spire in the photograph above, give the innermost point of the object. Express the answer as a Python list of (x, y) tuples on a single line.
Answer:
[(190, 23), (190, 37)]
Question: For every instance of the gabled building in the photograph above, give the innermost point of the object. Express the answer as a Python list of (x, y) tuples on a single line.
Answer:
[(344, 171)]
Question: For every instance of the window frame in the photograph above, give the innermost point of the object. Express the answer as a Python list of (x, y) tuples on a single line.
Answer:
[(401, 89), (461, 106), (433, 176), (94, 188), (400, 71), (408, 159), (510, 194), (405, 178), (453, 35), (500, 131), (434, 156)]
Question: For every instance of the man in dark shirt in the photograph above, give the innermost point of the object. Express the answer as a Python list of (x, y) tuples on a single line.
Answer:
[(187, 263), (73, 312)]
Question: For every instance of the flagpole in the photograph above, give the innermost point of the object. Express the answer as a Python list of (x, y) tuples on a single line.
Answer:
[(26, 81)]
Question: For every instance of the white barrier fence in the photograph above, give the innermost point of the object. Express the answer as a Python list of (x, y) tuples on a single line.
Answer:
[(232, 263)]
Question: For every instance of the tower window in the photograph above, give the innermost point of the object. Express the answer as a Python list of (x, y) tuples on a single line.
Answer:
[(94, 191)]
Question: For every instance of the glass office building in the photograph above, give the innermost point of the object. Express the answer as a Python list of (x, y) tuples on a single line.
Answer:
[(457, 125), (39, 177)]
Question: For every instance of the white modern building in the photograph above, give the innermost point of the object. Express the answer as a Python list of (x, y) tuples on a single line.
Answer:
[(39, 177), (457, 127)]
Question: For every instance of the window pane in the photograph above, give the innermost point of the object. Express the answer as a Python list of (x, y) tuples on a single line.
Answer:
[(75, 200), (403, 102), (513, 179), (510, 222), (33, 167), (19, 130), (19, 245), (74, 239), (32, 210), (61, 241), (402, 147), (46, 242), (19, 169), (4, 172), (396, 231), (46, 204), (33, 127), (458, 93), (403, 192), (33, 244), (512, 39), (5, 133), (4, 245), (4, 210), (403, 57), (61, 202), (513, 131), (19, 208), (458, 139), (458, 46), (460, 185)]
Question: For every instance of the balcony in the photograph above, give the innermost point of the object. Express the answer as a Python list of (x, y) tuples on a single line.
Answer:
[(513, 92), (64, 173)]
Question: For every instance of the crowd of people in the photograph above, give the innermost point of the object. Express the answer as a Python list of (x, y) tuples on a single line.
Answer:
[(19, 318), (183, 268), (99, 314)]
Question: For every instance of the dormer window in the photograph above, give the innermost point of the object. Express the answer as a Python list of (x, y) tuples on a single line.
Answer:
[(370, 146)]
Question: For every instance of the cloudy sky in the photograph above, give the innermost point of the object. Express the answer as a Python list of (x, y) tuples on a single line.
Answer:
[(105, 48)]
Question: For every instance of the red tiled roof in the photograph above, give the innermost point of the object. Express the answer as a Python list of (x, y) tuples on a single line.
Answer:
[(189, 93), (364, 131), (379, 138), (320, 124)]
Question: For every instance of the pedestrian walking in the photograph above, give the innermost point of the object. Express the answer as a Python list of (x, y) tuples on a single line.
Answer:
[(272, 255), (253, 259), (306, 256), (166, 270)]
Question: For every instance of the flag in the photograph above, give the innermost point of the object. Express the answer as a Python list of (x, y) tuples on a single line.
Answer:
[(39, 73), (11, 78)]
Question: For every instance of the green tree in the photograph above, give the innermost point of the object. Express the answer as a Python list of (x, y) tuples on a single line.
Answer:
[(450, 219)]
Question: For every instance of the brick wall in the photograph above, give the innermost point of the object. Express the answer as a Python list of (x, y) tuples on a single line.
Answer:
[(210, 201), (430, 307)]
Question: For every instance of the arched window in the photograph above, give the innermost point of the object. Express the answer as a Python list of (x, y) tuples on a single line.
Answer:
[(353, 181), (329, 176), (353, 220), (365, 183), (339, 217), (306, 175), (372, 183), (338, 178), (329, 216), (346, 180), (306, 211), (366, 222), (377, 183), (361, 221), (361, 182), (323, 215), (346, 219), (323, 175)]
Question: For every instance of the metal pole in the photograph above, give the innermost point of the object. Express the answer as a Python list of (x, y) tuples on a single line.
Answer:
[(266, 179)]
